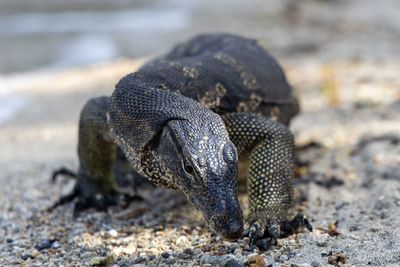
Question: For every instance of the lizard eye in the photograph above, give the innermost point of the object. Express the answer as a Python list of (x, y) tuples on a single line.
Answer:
[(188, 168)]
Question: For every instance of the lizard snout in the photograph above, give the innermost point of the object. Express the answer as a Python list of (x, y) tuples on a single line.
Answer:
[(228, 225), (232, 230), (223, 216)]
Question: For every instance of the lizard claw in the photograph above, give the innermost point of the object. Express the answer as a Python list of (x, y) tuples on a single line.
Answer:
[(63, 171), (273, 230), (290, 227), (254, 232), (95, 200), (264, 235), (63, 200), (98, 202)]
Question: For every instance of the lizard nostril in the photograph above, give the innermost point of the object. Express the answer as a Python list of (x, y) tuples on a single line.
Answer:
[(228, 227), (233, 230)]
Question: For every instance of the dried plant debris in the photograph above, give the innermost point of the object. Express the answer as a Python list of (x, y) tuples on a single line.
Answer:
[(337, 259), (332, 229)]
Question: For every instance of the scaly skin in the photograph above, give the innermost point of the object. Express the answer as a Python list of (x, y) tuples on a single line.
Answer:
[(269, 150), (184, 121)]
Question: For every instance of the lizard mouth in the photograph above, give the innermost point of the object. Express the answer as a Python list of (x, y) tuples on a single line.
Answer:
[(226, 226), (226, 219)]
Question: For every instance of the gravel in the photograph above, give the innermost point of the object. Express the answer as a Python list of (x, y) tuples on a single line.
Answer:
[(350, 106)]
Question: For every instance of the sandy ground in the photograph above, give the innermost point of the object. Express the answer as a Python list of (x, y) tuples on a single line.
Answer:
[(343, 59)]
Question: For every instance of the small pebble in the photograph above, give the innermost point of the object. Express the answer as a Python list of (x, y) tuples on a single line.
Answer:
[(264, 244), (233, 263), (165, 255), (245, 240), (382, 204), (55, 245), (355, 227), (139, 260), (322, 240), (250, 248), (233, 246), (188, 251), (324, 254), (27, 256), (197, 251), (207, 247), (384, 215), (43, 244), (283, 258), (170, 260), (113, 233), (237, 251), (184, 256), (99, 261), (186, 229), (213, 259), (181, 240)]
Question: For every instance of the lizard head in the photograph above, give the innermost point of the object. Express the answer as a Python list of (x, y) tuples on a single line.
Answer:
[(203, 164)]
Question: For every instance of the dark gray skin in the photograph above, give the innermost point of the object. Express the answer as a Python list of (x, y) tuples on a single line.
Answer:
[(184, 121), (193, 155), (197, 178)]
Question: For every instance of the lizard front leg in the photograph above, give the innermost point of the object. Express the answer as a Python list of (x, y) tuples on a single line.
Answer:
[(95, 183), (269, 148)]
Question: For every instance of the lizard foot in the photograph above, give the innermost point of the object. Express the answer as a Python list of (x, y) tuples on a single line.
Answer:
[(291, 227), (262, 234), (85, 196), (265, 234), (101, 203)]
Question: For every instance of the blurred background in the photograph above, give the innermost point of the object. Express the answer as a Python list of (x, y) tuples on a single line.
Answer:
[(47, 35), (341, 56)]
